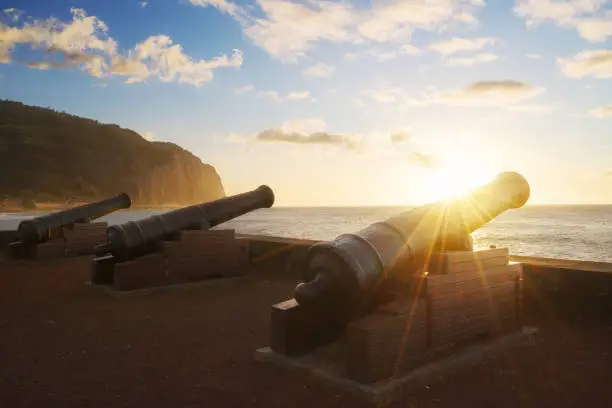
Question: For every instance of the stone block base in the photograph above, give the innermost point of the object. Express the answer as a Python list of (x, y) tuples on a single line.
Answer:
[(326, 365), (82, 238), (196, 255), (46, 251), (74, 240), (431, 318)]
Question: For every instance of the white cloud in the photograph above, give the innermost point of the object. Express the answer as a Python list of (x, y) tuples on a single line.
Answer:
[(588, 17), (423, 160), (159, 57), (84, 43), (284, 134), (224, 6), (469, 61), (143, 4), (385, 95), (291, 96), (397, 20), (458, 44), (538, 11), (319, 70), (393, 95), (533, 56), (488, 93), (307, 125), (530, 108), (593, 63), (385, 55), (358, 102), (409, 49), (287, 30), (602, 112), (399, 137), (310, 132), (13, 13), (244, 89), (595, 29)]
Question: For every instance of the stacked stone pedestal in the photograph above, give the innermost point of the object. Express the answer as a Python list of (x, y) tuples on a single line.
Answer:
[(194, 256), (74, 240), (464, 298)]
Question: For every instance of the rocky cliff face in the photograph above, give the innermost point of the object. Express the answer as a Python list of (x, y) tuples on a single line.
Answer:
[(183, 180), (52, 156)]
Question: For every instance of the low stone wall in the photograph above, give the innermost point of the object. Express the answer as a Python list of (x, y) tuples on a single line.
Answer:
[(570, 288), (558, 286), (279, 253)]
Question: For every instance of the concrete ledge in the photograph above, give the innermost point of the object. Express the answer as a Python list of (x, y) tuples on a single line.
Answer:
[(320, 366), (182, 287)]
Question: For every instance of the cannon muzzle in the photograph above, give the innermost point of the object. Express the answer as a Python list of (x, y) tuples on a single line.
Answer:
[(46, 227), (137, 238), (342, 276)]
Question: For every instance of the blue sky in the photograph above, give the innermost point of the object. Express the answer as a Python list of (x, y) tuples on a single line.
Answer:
[(378, 102)]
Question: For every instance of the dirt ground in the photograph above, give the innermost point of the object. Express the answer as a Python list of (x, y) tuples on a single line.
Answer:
[(63, 344)]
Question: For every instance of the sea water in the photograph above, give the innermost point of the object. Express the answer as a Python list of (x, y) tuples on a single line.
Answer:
[(571, 232)]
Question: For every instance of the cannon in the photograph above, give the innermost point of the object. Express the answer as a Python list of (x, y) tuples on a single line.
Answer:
[(47, 227), (344, 276), (137, 238)]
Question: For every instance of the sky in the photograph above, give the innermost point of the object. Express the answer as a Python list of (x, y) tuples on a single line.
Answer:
[(337, 103)]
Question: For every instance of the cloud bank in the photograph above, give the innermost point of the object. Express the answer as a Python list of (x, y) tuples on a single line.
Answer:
[(291, 96), (276, 31), (458, 44), (595, 63), (84, 43), (319, 70), (313, 132), (602, 112), (489, 93), (588, 17)]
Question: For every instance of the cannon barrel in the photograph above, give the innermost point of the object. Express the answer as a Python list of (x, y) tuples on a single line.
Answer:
[(342, 276), (46, 227), (136, 238)]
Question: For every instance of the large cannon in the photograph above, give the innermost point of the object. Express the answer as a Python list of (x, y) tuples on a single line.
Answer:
[(136, 238), (343, 276), (47, 227)]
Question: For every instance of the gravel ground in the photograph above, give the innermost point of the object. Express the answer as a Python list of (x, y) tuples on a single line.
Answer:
[(64, 345)]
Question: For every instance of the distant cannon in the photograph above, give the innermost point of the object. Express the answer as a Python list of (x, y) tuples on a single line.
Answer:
[(47, 227), (342, 277), (64, 233), (137, 238)]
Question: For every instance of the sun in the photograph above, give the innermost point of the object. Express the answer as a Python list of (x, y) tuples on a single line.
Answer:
[(457, 179)]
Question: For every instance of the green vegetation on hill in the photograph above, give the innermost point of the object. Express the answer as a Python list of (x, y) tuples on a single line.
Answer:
[(47, 155)]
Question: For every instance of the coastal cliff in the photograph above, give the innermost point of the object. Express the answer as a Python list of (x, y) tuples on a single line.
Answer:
[(47, 155)]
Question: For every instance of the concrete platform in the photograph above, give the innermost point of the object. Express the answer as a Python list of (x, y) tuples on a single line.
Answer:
[(323, 366)]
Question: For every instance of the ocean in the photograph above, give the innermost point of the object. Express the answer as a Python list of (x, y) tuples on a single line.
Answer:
[(580, 232)]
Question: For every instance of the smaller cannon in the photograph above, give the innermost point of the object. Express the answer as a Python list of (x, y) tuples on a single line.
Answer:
[(136, 238), (342, 278), (47, 227)]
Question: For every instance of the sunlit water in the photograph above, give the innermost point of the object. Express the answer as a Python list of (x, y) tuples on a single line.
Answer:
[(571, 232)]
